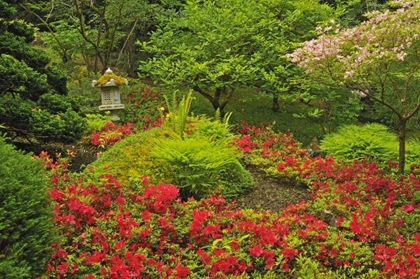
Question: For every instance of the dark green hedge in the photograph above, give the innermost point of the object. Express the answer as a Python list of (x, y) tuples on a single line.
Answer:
[(26, 224)]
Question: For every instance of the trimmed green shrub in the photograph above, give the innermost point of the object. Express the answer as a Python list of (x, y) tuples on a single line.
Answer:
[(66, 126), (129, 159), (26, 224), (55, 103), (371, 141), (61, 123)]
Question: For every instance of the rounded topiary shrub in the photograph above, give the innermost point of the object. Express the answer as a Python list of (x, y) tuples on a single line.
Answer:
[(26, 224)]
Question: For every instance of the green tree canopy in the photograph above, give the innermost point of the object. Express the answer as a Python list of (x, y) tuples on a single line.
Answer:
[(215, 47)]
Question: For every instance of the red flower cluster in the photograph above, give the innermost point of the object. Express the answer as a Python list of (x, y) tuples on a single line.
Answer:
[(111, 133), (360, 220)]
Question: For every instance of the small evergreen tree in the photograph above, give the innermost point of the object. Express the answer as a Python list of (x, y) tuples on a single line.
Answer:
[(26, 75), (26, 224)]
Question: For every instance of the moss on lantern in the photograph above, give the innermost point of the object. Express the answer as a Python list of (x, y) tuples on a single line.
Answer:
[(105, 78)]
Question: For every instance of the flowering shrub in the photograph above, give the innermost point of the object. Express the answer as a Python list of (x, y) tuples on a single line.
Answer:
[(110, 134), (277, 154), (361, 223), (142, 108)]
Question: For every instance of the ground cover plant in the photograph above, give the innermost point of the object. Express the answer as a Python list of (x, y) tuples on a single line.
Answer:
[(360, 223)]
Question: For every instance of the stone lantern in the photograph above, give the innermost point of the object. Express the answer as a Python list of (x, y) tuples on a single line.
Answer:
[(110, 87)]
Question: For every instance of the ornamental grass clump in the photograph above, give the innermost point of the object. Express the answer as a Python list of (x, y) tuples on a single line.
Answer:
[(373, 142), (176, 118), (201, 167), (26, 223)]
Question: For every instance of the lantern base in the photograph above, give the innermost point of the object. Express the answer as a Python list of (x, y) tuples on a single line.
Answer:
[(113, 109)]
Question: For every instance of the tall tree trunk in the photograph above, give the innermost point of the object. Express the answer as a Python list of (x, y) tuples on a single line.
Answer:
[(401, 145)]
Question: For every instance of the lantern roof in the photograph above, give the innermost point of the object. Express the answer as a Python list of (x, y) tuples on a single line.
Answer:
[(109, 79)]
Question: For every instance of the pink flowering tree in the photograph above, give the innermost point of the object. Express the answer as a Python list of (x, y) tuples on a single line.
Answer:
[(380, 59)]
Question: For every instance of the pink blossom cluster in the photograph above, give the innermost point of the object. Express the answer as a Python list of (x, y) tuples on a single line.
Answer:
[(364, 49)]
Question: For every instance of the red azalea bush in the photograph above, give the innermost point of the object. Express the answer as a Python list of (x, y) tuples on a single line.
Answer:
[(142, 108), (361, 223), (110, 134), (277, 154)]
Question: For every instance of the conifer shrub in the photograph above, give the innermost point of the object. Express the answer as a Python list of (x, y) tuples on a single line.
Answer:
[(26, 224)]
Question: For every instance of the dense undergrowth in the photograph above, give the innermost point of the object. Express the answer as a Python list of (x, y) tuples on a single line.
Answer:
[(361, 223), (152, 206)]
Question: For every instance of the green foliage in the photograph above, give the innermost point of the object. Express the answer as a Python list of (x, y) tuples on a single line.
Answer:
[(96, 122), (416, 197), (176, 119), (219, 46), (16, 111), (212, 129), (142, 105), (371, 141), (65, 126), (365, 58), (200, 166), (26, 224), (32, 91), (129, 159), (66, 41), (53, 120), (202, 163), (100, 33), (332, 108), (24, 68), (55, 103), (412, 152)]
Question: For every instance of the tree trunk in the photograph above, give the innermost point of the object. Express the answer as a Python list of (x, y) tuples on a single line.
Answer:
[(276, 105), (401, 145), (216, 99)]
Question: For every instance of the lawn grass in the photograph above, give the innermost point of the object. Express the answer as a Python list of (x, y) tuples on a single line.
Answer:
[(255, 109)]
